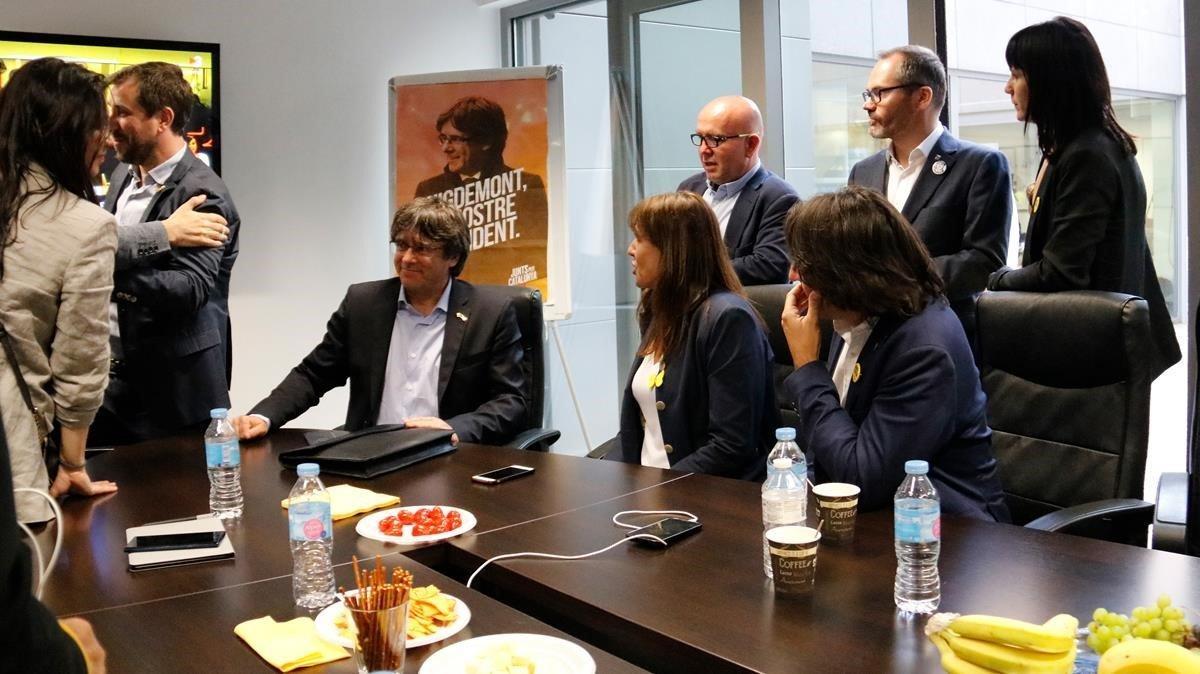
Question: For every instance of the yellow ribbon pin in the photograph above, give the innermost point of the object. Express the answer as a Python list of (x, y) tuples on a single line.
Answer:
[(656, 379), (857, 372), (1037, 201)]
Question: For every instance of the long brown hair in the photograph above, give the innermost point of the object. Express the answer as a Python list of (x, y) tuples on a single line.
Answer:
[(855, 248), (694, 265)]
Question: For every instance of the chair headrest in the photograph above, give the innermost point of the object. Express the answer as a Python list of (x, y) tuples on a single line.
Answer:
[(1071, 339)]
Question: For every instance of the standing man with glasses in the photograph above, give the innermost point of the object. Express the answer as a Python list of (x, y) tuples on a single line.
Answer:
[(957, 195), (750, 201), (422, 348)]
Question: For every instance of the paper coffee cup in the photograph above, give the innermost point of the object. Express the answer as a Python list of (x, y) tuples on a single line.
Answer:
[(793, 558), (837, 506)]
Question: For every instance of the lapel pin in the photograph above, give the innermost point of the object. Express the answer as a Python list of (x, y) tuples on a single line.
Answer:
[(656, 378), (1037, 201), (854, 376), (461, 316), (939, 167)]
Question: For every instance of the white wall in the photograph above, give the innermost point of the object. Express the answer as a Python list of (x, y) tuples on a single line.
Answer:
[(304, 122)]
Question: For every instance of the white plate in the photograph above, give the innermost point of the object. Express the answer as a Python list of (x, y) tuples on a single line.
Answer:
[(368, 527), (551, 654), (327, 626)]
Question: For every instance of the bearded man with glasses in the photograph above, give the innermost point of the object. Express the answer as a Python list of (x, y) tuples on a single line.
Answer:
[(750, 201), (957, 195)]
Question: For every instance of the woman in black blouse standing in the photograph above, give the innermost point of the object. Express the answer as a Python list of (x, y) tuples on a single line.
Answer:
[(1088, 205)]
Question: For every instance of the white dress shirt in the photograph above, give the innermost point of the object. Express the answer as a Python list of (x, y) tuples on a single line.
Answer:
[(854, 338), (900, 179), (414, 360), (654, 453)]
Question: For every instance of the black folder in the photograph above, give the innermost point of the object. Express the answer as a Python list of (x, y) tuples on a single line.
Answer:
[(373, 451)]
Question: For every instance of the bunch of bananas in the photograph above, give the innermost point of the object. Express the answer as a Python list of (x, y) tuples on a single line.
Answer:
[(1148, 656), (980, 644)]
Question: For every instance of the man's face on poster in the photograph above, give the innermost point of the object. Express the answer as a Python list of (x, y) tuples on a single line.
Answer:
[(464, 154)]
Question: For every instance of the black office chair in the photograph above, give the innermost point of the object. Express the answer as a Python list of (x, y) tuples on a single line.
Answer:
[(1069, 405), (528, 304), (1176, 526)]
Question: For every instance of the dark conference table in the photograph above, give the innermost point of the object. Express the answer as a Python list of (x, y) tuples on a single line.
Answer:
[(701, 605)]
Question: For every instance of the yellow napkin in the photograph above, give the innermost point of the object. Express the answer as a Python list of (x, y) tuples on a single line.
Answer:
[(290, 645), (349, 500)]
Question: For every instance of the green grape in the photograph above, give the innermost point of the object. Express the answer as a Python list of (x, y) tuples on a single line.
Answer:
[(1162, 635), (1093, 642), (1164, 600), (1142, 630), (1127, 637), (1172, 625), (1138, 613), (1092, 626), (1156, 624), (1098, 614), (1104, 631), (1153, 612)]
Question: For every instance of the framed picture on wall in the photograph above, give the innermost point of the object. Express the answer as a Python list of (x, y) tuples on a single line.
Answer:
[(199, 61)]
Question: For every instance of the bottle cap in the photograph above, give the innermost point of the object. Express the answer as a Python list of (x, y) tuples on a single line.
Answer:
[(785, 433), (308, 470), (218, 413), (782, 463), (916, 467)]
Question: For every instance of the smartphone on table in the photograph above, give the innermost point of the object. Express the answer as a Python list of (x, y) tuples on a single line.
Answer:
[(502, 474), (181, 541)]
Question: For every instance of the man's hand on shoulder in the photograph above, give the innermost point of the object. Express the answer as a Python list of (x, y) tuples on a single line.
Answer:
[(189, 228)]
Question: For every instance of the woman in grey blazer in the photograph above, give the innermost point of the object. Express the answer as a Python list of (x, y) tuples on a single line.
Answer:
[(56, 267), (699, 396), (1087, 222)]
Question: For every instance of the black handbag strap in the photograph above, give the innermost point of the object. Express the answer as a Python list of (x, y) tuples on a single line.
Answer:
[(11, 355)]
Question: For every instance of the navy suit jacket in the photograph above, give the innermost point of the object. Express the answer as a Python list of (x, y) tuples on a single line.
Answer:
[(173, 312), (918, 396), (962, 214), (754, 234), (480, 382), (1087, 231), (716, 405)]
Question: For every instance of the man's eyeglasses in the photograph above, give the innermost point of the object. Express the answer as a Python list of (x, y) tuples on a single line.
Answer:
[(714, 142), (876, 95), (457, 140), (418, 249)]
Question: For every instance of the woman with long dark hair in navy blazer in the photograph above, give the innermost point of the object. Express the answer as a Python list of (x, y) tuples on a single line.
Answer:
[(901, 382), (1087, 222), (699, 396)]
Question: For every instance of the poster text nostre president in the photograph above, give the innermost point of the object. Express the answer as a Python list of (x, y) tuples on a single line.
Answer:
[(483, 147)]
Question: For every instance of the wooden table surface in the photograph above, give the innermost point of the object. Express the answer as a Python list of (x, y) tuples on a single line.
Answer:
[(701, 605)]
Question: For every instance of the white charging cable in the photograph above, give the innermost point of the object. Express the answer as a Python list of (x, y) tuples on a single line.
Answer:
[(616, 521), (44, 569)]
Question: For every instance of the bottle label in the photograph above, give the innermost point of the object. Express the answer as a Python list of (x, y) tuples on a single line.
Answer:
[(919, 524), (222, 454), (310, 521)]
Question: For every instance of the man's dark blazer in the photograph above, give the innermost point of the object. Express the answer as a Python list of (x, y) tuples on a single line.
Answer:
[(1087, 231), (754, 234), (480, 383), (917, 396), (173, 312), (962, 214), (716, 405)]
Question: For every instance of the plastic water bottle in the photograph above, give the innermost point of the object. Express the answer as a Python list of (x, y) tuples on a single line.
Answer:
[(785, 446), (918, 540), (783, 502), (310, 525), (224, 459)]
